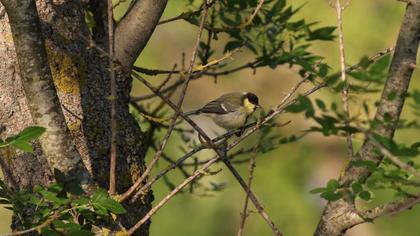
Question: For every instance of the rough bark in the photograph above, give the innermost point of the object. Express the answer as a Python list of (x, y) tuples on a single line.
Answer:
[(41, 96), (135, 28), (338, 216), (80, 76)]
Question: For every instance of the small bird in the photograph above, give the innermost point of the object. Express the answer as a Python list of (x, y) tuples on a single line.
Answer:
[(230, 111)]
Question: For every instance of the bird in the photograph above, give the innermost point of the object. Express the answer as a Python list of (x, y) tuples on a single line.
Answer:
[(231, 110)]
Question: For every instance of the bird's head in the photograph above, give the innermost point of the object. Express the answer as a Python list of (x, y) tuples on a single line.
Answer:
[(250, 102)]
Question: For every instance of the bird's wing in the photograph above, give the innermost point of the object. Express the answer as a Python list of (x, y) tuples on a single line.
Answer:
[(223, 105)]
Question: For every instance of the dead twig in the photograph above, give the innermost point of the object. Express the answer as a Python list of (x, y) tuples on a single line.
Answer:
[(345, 91), (251, 169)]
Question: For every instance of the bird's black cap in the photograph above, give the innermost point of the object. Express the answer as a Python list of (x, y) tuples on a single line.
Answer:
[(252, 98)]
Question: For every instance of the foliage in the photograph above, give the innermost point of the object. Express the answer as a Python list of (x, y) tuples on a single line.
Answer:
[(66, 206), (70, 210), (21, 141)]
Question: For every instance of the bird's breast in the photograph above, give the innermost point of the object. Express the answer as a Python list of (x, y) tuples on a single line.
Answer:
[(232, 120)]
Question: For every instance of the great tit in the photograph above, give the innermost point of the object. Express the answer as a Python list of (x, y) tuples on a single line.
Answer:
[(230, 111)]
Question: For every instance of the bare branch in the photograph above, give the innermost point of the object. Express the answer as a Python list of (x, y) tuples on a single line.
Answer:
[(38, 228), (392, 208), (396, 160), (244, 213), (345, 91), (168, 197), (135, 28), (113, 99)]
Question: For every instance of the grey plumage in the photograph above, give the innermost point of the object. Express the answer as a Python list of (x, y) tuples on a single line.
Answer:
[(228, 110)]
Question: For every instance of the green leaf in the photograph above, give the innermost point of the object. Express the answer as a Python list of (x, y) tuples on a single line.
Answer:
[(101, 201), (232, 45), (22, 145), (416, 96), (365, 195), (324, 33), (357, 187), (320, 104), (99, 196), (323, 70), (276, 9), (364, 62), (113, 206), (364, 163), (30, 133), (380, 65), (333, 184), (331, 196)]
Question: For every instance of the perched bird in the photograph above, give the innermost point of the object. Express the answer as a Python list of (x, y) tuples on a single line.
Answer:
[(230, 111)]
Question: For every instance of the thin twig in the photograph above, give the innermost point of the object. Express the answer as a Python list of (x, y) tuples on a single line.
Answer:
[(113, 99), (254, 13), (172, 124), (278, 110), (396, 160), (345, 91), (186, 15), (216, 61), (38, 228), (391, 208), (244, 213), (228, 164), (149, 214)]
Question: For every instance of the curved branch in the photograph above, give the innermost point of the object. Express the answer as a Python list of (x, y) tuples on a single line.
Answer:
[(134, 30)]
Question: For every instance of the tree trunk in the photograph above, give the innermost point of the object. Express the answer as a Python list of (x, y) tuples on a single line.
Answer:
[(80, 75)]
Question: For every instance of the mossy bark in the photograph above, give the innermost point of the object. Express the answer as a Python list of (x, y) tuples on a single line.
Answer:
[(80, 75)]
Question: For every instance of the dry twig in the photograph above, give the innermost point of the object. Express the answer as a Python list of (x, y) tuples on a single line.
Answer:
[(113, 99), (251, 169), (345, 91)]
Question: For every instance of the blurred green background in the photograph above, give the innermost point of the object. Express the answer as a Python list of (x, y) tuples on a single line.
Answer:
[(283, 177)]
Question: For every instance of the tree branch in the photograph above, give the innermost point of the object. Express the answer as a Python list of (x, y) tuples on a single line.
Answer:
[(40, 91), (173, 118), (335, 219), (251, 169), (345, 91), (135, 28), (113, 100)]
